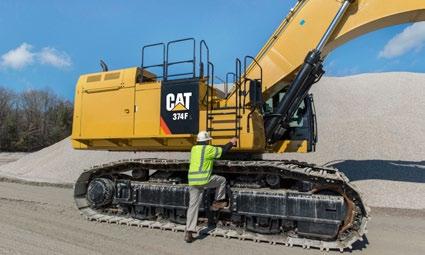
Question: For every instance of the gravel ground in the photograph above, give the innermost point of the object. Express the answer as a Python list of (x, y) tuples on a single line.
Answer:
[(371, 127), (8, 157), (43, 220)]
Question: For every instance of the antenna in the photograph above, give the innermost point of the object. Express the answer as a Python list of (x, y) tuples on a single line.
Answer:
[(103, 66)]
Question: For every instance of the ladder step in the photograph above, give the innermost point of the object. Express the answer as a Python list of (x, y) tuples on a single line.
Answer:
[(224, 129), (226, 108), (222, 113), (233, 119), (223, 121)]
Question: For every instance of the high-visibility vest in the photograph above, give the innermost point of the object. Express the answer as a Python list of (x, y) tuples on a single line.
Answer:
[(201, 163)]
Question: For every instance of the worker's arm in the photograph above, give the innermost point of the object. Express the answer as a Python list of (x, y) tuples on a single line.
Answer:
[(215, 152), (227, 147)]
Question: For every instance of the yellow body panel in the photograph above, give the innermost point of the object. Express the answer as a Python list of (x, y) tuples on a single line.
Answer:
[(116, 122), (108, 112), (114, 112), (291, 146), (147, 115)]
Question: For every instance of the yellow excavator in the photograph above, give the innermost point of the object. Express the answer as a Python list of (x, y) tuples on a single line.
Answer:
[(163, 104)]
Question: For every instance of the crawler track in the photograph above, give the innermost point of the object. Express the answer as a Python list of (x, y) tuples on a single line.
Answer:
[(352, 230)]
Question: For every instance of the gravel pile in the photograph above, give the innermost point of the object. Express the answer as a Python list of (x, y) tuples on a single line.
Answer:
[(371, 127), (60, 163)]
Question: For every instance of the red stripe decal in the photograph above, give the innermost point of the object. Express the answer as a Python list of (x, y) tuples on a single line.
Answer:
[(164, 127)]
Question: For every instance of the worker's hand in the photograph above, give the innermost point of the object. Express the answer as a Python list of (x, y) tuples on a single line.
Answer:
[(234, 140)]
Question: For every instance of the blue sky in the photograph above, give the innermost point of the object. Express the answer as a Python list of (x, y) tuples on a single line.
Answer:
[(47, 44)]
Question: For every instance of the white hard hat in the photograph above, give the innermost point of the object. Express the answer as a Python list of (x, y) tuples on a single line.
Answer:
[(203, 136)]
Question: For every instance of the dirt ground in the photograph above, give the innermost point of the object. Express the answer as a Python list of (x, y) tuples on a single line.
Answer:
[(43, 220), (8, 157)]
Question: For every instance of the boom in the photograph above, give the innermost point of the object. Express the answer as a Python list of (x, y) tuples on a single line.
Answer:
[(280, 58), (284, 53)]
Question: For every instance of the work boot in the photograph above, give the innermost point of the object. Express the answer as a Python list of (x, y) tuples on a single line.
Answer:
[(188, 237), (217, 205)]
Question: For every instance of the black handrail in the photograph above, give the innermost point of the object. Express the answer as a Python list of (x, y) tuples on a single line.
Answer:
[(245, 78), (193, 60), (179, 74), (143, 67), (238, 72), (210, 89), (211, 75), (203, 45), (256, 63), (210, 68), (226, 84)]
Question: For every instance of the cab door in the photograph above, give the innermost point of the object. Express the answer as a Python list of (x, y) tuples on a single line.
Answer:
[(303, 125)]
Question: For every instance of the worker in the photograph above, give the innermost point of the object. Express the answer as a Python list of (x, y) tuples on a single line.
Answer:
[(201, 165)]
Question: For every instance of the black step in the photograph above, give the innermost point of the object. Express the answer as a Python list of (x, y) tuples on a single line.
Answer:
[(237, 117), (221, 113), (223, 121), (226, 108), (224, 129)]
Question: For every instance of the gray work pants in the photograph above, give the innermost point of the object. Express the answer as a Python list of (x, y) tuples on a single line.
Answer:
[(195, 193)]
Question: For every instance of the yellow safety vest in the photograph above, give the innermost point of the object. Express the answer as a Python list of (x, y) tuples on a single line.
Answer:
[(201, 163)]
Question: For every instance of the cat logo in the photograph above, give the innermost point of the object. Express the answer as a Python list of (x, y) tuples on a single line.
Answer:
[(178, 102)]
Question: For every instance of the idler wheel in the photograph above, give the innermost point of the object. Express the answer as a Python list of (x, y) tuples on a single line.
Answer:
[(273, 181), (140, 174), (100, 192)]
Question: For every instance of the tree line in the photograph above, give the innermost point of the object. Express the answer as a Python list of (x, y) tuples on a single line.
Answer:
[(33, 119)]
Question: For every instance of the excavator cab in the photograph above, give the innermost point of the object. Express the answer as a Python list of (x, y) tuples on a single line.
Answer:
[(303, 125), (301, 131)]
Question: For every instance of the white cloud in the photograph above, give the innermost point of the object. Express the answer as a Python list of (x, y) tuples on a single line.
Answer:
[(18, 58), (411, 39), (53, 57), (24, 56)]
